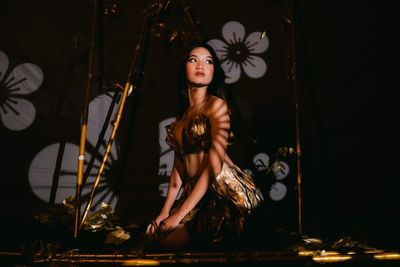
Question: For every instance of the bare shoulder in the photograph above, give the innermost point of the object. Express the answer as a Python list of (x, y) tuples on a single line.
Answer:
[(216, 107), (216, 103)]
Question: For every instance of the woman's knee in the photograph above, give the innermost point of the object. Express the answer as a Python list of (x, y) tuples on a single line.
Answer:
[(176, 240)]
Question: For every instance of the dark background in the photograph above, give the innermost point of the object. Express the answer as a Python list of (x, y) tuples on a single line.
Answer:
[(344, 53)]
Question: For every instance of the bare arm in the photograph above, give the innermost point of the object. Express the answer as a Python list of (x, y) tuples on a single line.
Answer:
[(175, 183)]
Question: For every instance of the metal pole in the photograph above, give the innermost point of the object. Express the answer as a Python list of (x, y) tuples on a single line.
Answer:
[(293, 77), (84, 118), (127, 91)]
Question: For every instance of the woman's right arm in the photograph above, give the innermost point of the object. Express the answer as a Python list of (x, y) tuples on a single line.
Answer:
[(175, 183)]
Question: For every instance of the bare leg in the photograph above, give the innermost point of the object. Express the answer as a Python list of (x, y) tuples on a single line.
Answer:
[(176, 240)]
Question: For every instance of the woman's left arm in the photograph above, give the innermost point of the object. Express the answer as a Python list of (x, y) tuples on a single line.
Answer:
[(217, 113)]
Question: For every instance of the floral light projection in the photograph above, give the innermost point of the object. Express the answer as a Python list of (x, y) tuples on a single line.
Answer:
[(16, 112), (279, 169), (239, 52), (53, 171)]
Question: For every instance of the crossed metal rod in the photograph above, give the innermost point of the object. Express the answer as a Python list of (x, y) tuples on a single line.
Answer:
[(127, 90)]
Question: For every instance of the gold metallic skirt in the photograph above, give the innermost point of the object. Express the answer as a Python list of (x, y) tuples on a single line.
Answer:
[(221, 214)]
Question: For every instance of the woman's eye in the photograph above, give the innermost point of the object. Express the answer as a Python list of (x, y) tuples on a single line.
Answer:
[(191, 60), (209, 61)]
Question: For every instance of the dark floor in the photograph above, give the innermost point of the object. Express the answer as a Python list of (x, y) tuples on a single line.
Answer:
[(234, 258), (33, 244)]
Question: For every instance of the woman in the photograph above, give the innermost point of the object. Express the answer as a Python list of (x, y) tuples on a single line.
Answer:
[(217, 196)]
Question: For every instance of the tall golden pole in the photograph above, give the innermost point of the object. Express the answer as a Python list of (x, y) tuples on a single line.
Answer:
[(127, 91), (84, 118), (293, 78)]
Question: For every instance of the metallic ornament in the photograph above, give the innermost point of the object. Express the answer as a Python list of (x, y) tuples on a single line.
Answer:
[(172, 21)]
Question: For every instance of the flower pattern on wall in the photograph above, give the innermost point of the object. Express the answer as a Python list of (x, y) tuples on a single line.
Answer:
[(279, 170), (53, 171), (16, 112), (239, 52)]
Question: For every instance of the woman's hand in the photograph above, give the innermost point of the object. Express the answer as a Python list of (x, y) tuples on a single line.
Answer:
[(155, 224), (170, 223)]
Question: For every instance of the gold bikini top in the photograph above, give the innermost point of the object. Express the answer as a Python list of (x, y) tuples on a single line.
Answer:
[(196, 136)]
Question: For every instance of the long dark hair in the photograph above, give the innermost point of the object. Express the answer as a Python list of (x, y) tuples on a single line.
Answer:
[(216, 87)]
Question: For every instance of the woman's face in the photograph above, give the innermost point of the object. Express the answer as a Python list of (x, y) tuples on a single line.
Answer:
[(199, 67)]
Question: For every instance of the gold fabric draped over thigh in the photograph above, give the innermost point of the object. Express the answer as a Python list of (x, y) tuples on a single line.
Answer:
[(220, 215)]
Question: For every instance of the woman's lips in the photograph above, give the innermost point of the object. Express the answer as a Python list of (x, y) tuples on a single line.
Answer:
[(199, 74)]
